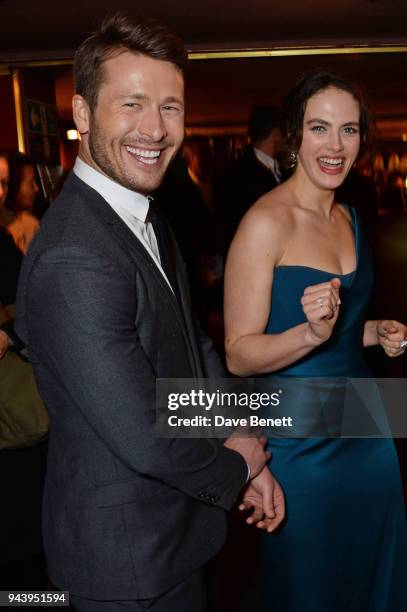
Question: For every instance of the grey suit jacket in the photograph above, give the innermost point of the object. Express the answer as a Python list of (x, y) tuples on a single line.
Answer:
[(124, 514)]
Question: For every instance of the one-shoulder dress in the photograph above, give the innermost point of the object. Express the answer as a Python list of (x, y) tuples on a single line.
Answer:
[(343, 545)]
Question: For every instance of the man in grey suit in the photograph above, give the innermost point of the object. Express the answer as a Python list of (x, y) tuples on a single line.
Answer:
[(129, 519)]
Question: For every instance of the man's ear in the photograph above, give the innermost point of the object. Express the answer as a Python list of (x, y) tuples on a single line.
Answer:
[(81, 113)]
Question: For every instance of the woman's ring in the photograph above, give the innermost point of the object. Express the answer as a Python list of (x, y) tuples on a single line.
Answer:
[(320, 302), (403, 343)]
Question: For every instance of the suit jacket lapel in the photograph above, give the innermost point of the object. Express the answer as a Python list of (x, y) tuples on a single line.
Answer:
[(133, 246), (195, 355), (181, 287), (177, 297)]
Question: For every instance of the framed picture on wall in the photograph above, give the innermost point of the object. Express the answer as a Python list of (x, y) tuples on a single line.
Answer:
[(42, 136)]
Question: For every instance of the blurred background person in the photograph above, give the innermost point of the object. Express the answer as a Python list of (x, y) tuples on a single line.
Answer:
[(10, 263), (257, 172), (10, 256), (185, 199), (22, 469), (198, 155), (23, 190)]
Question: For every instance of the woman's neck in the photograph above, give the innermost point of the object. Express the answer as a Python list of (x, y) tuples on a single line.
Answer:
[(309, 196)]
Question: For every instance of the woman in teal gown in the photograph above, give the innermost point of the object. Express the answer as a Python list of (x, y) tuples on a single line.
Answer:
[(297, 286)]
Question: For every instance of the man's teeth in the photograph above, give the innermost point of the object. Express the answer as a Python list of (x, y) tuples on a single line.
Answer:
[(146, 153), (331, 161)]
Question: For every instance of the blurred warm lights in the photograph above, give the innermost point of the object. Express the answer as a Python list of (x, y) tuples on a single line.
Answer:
[(393, 165), (378, 163)]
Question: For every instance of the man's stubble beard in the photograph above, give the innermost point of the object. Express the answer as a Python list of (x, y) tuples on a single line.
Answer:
[(101, 157)]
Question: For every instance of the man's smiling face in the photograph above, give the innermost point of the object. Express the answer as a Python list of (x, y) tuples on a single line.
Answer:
[(137, 126)]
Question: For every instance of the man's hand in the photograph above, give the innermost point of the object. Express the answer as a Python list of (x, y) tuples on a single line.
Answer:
[(264, 495), (391, 336), (5, 343), (251, 449)]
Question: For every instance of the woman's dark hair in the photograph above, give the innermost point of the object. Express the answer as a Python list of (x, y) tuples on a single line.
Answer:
[(17, 163), (307, 86), (118, 33)]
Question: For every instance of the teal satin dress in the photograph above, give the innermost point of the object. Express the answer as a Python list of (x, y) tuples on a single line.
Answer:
[(343, 545)]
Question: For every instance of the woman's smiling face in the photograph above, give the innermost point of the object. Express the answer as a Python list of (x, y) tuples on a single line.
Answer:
[(330, 137)]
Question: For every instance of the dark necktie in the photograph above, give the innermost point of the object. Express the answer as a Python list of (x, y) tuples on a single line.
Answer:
[(165, 247), (276, 171)]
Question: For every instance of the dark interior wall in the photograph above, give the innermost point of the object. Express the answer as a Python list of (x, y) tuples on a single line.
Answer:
[(39, 85), (223, 90)]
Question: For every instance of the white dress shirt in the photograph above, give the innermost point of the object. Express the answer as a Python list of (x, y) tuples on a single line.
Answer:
[(131, 206), (270, 162)]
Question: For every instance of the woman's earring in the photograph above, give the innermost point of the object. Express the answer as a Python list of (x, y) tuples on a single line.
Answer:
[(292, 159)]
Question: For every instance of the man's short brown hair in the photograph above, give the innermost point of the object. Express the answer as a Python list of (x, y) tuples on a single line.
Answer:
[(121, 32)]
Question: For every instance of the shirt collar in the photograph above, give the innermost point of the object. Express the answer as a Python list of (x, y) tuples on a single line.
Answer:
[(133, 203), (265, 159)]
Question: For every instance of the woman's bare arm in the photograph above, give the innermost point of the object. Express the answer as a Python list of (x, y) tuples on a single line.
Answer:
[(255, 250)]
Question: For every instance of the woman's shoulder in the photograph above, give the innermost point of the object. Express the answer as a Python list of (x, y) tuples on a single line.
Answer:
[(273, 211), (266, 227)]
